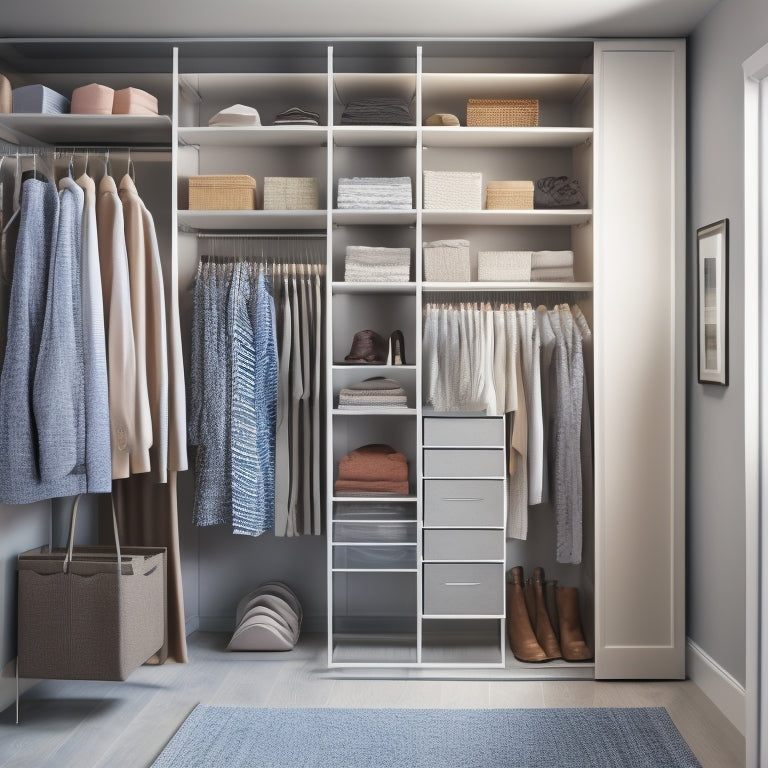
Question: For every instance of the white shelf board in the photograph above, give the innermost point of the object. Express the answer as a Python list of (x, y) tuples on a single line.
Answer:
[(503, 286), (374, 412), (89, 129), (251, 220), (463, 616), (374, 136), (375, 570), (539, 218), (375, 544), (355, 217), (374, 499), (394, 650), (245, 87), (495, 85), (482, 138), (342, 287), (258, 136), (386, 520)]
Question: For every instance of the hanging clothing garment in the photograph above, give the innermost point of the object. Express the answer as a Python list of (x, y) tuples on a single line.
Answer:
[(118, 321), (530, 355), (20, 481), (58, 392), (210, 385), (316, 405), (254, 403), (296, 526), (517, 485), (136, 246), (587, 462), (305, 499), (98, 454), (282, 449), (548, 339), (156, 343)]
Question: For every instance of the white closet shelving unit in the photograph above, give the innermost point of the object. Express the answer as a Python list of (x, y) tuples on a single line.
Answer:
[(612, 115)]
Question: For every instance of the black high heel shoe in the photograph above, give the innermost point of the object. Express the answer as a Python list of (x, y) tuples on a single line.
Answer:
[(396, 349)]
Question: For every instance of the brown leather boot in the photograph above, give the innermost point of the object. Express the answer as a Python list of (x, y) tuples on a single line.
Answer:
[(530, 600), (542, 625), (572, 641), (521, 638), (551, 600)]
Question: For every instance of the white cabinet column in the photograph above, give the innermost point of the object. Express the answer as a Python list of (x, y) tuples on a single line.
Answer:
[(639, 358)]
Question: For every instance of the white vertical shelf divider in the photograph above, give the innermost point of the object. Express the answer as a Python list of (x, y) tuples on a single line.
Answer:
[(329, 355), (418, 361)]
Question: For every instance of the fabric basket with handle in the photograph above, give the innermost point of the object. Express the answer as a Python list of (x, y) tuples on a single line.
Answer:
[(90, 613)]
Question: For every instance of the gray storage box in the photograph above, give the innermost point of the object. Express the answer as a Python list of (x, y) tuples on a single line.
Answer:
[(458, 545), (471, 462), (464, 432)]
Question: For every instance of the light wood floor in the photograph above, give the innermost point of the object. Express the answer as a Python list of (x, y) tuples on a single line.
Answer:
[(125, 725)]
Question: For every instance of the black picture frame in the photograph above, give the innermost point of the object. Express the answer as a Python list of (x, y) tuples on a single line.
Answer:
[(712, 302)]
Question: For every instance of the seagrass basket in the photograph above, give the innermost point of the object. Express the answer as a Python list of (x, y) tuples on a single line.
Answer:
[(222, 193), (502, 113), (290, 193), (509, 195)]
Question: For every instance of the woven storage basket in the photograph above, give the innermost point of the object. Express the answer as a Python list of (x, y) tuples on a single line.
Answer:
[(447, 261), (286, 193), (222, 193), (453, 190), (502, 113), (509, 195), (509, 266)]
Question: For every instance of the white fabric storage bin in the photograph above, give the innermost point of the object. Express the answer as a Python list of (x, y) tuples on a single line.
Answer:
[(447, 261), (453, 190), (509, 266)]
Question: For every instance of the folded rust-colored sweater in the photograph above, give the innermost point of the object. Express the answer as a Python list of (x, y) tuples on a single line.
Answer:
[(371, 487), (374, 462)]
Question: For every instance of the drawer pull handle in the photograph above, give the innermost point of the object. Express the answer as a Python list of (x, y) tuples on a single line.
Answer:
[(463, 583), (459, 498)]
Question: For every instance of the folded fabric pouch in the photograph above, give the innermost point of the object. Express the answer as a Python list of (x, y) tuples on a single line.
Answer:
[(558, 192), (236, 115)]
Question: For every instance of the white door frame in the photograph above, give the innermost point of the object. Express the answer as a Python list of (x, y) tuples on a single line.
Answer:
[(756, 400)]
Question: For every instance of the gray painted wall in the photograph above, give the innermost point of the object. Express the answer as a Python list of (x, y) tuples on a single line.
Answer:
[(716, 613)]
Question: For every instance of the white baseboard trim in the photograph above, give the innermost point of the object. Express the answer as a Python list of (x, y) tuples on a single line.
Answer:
[(192, 624), (725, 692)]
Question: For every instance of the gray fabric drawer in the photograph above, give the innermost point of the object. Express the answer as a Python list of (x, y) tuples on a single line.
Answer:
[(479, 503), (466, 589), (456, 462), (464, 545), (464, 431)]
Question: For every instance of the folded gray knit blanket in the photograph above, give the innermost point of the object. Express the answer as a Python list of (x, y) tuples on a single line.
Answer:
[(558, 192)]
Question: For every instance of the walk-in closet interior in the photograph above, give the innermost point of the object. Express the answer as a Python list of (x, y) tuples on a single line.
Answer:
[(416, 577)]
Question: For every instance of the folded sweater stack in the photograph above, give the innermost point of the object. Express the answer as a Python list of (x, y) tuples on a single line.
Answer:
[(297, 116), (552, 266), (372, 470), (375, 193), (364, 264), (376, 392), (378, 111)]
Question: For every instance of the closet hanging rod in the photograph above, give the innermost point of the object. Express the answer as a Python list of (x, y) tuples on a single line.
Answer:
[(261, 236), (104, 148)]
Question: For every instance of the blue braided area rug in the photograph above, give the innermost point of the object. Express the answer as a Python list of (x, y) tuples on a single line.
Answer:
[(240, 737)]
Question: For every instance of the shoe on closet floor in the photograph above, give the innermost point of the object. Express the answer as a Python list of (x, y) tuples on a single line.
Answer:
[(522, 639), (572, 642), (396, 349)]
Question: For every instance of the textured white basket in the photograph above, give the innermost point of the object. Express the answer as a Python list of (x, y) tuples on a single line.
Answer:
[(290, 193), (453, 190), (509, 266), (447, 261)]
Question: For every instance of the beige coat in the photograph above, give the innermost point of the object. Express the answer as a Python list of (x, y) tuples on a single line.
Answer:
[(137, 267), (121, 355)]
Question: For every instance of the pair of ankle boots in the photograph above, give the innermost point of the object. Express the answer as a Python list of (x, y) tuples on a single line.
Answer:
[(543, 619)]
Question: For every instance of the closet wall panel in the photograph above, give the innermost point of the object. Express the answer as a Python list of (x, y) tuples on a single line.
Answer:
[(639, 406)]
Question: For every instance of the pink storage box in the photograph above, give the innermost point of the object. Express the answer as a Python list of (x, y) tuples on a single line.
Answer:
[(133, 101), (93, 99)]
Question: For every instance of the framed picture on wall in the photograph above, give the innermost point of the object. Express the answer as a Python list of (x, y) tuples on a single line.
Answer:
[(712, 251)]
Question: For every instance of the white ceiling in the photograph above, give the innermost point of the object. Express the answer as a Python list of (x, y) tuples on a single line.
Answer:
[(356, 18)]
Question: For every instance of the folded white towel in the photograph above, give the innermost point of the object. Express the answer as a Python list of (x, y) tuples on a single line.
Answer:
[(549, 259), (511, 266)]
